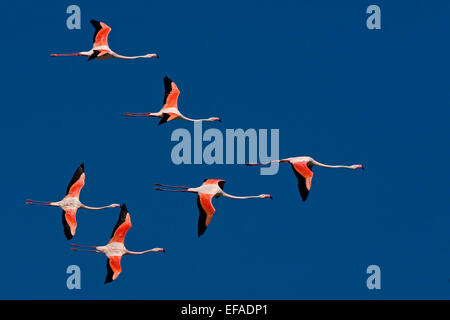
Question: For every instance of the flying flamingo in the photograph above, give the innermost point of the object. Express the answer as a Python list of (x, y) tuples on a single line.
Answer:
[(302, 167), (71, 203), (115, 248), (211, 188), (101, 50), (169, 110)]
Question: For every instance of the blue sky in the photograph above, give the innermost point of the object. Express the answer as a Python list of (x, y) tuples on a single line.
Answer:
[(336, 91)]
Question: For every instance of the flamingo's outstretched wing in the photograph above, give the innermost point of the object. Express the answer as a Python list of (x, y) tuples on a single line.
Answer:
[(113, 268), (77, 182), (171, 94), (304, 176), (101, 33), (206, 211), (122, 226), (69, 220)]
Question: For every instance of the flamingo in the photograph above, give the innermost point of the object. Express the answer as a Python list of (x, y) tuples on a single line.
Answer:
[(211, 188), (169, 110), (71, 203), (302, 167), (101, 50), (115, 248)]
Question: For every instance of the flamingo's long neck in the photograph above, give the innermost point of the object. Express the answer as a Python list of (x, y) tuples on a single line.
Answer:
[(95, 208), (330, 166), (241, 198), (118, 56), (143, 252), (195, 120)]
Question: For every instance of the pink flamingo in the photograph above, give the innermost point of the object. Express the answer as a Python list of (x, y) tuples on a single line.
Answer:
[(169, 110), (211, 188), (302, 167), (71, 203), (101, 50), (115, 248)]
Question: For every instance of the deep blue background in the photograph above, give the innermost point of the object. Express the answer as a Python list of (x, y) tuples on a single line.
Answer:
[(337, 91)]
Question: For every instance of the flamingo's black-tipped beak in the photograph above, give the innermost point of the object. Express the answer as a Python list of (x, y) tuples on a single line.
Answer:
[(363, 168)]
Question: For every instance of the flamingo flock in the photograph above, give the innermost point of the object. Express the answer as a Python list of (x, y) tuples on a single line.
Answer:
[(210, 188)]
